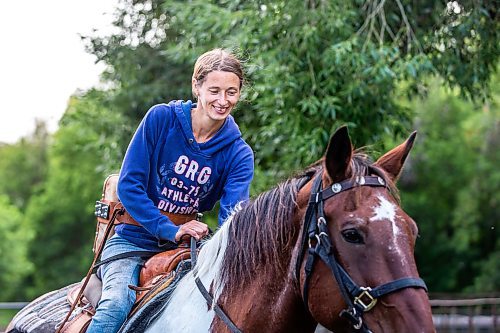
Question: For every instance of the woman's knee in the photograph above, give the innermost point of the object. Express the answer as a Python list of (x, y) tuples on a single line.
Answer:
[(115, 309)]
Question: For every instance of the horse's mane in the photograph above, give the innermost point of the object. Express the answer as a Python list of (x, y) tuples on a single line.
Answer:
[(261, 233)]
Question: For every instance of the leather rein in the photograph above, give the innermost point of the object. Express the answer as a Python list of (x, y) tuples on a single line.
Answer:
[(316, 237)]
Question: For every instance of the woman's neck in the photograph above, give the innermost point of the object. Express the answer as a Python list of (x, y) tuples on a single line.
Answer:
[(204, 128)]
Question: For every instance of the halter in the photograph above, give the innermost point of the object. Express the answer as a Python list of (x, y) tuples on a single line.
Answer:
[(316, 236)]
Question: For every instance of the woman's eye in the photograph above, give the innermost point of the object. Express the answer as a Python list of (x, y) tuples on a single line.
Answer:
[(353, 236)]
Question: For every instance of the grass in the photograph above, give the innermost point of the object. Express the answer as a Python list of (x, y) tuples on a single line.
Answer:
[(5, 317)]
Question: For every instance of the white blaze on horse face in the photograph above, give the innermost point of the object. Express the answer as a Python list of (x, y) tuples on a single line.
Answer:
[(187, 309), (386, 211)]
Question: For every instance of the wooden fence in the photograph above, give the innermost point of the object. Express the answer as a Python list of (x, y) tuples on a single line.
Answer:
[(466, 315), (451, 314)]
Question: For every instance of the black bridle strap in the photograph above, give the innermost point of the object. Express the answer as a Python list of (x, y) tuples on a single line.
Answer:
[(353, 313), (311, 220), (379, 291), (315, 229), (345, 185), (204, 292), (395, 285), (218, 310), (308, 218)]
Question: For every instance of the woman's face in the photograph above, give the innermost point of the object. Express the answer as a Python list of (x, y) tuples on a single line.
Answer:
[(218, 94)]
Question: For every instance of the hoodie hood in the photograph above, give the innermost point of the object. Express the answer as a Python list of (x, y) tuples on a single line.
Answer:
[(226, 135)]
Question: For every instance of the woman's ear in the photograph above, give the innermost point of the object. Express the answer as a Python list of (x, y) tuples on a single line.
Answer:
[(194, 87)]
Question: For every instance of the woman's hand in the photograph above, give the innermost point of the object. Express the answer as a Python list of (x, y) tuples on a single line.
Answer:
[(192, 228)]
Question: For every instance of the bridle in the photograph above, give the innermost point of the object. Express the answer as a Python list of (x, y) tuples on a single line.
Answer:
[(315, 236), (315, 231)]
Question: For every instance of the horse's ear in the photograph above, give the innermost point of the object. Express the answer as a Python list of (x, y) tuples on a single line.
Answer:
[(392, 162), (338, 154)]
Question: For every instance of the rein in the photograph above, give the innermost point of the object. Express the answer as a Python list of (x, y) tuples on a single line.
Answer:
[(316, 236), (208, 297)]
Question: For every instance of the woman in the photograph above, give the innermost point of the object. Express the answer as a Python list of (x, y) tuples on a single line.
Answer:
[(183, 158)]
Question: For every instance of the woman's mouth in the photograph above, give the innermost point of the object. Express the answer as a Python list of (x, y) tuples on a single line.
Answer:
[(220, 109)]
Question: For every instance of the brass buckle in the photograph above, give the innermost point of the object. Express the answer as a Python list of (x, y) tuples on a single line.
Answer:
[(365, 300)]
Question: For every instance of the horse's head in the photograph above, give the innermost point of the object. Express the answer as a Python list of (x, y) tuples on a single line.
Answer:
[(356, 236)]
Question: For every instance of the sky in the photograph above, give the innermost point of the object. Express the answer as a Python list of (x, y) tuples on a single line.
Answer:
[(43, 61)]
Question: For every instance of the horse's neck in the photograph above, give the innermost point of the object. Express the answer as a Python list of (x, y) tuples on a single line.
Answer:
[(266, 303), (187, 310)]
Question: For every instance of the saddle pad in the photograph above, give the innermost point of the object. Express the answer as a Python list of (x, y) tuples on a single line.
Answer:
[(42, 314)]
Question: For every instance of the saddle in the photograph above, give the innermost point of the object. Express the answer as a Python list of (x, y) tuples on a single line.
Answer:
[(155, 276)]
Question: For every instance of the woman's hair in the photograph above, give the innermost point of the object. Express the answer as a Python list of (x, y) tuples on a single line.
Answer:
[(217, 60)]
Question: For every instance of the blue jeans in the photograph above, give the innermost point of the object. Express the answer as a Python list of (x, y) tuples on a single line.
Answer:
[(117, 298)]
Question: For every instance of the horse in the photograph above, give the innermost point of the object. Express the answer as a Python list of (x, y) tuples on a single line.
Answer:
[(331, 245)]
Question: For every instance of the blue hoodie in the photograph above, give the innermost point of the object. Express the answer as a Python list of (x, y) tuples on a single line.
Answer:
[(165, 169)]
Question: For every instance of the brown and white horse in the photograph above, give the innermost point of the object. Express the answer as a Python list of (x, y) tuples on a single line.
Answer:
[(330, 246), (254, 266)]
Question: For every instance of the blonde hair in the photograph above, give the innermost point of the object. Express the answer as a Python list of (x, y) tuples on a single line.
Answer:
[(216, 60)]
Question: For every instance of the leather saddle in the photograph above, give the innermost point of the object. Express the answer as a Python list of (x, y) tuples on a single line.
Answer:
[(155, 276)]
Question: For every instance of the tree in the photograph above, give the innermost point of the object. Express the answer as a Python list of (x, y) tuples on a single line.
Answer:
[(23, 166), (14, 262), (452, 191), (140, 72), (84, 151), (313, 65)]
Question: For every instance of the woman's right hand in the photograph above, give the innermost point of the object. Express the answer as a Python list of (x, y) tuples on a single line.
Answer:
[(193, 228)]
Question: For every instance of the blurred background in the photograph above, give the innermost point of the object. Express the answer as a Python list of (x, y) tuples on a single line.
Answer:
[(383, 67)]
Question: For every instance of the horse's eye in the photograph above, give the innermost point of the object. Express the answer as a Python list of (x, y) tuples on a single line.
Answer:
[(352, 236)]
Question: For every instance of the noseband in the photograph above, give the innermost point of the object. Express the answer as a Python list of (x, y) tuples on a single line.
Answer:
[(316, 236)]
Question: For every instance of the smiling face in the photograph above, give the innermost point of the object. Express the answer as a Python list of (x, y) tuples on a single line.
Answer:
[(217, 94)]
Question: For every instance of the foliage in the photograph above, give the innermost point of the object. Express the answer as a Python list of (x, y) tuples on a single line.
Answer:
[(5, 318), (61, 214), (312, 65), (453, 193), (140, 73), (465, 45), (24, 166), (14, 263)]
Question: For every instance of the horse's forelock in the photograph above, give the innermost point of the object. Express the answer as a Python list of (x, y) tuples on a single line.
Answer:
[(362, 165)]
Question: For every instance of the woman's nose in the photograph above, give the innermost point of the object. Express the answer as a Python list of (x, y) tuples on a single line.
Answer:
[(222, 98)]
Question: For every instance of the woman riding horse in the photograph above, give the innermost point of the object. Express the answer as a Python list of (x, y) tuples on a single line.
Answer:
[(330, 246)]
